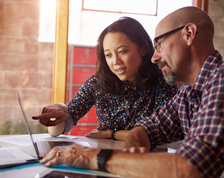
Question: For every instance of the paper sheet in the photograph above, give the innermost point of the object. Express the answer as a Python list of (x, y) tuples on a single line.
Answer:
[(47, 137), (171, 150), (85, 144), (13, 155), (24, 140)]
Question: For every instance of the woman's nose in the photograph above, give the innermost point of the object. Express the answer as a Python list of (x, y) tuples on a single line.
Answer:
[(117, 60)]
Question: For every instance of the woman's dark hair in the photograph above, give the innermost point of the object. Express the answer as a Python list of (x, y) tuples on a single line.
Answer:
[(147, 74)]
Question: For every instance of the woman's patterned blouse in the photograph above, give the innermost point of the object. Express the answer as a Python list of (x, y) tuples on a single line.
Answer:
[(121, 110)]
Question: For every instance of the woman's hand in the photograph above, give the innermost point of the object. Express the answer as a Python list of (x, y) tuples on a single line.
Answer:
[(99, 133), (52, 115), (119, 135), (73, 156)]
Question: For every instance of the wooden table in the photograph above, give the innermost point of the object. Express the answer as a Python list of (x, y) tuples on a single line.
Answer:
[(95, 143)]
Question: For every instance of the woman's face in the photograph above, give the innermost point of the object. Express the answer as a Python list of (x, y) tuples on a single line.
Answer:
[(122, 56)]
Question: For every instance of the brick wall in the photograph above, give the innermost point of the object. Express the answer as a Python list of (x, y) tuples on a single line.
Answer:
[(216, 12), (25, 63)]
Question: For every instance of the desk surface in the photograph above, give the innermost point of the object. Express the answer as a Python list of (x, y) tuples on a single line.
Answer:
[(95, 143), (31, 172)]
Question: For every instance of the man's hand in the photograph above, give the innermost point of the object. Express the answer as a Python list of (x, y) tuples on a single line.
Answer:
[(73, 155), (136, 150), (137, 138), (52, 115)]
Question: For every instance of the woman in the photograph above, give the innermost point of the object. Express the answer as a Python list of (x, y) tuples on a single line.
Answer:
[(126, 88)]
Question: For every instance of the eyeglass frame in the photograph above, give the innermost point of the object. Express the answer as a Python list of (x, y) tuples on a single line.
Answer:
[(166, 34)]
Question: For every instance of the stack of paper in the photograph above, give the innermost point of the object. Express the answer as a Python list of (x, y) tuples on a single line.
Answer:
[(11, 156)]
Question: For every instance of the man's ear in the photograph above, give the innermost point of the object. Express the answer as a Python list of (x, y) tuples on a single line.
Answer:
[(190, 33)]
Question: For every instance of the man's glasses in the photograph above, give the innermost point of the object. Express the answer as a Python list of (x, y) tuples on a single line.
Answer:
[(158, 44)]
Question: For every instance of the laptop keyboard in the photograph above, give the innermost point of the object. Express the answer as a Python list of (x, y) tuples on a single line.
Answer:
[(45, 146), (53, 144)]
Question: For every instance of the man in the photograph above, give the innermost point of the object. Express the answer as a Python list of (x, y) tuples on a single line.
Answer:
[(184, 52)]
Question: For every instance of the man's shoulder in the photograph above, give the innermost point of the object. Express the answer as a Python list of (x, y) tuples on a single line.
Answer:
[(184, 88), (218, 71)]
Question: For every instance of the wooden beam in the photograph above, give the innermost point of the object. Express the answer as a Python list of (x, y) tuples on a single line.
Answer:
[(202, 4), (60, 51)]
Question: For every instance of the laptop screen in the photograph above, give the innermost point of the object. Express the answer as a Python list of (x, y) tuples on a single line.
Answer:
[(27, 126)]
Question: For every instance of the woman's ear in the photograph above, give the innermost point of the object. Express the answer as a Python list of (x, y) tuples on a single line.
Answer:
[(190, 33), (143, 51)]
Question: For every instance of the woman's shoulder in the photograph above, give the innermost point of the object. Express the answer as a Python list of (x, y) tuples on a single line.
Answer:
[(91, 84), (92, 79)]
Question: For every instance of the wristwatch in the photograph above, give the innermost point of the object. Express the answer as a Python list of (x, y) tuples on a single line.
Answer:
[(103, 156), (112, 134)]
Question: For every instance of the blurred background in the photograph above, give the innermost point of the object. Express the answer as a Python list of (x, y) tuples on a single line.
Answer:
[(27, 38)]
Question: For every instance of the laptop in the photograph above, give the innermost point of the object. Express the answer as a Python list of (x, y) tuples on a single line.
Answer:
[(41, 147)]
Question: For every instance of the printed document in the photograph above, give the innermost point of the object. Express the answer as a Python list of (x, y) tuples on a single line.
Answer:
[(12, 155)]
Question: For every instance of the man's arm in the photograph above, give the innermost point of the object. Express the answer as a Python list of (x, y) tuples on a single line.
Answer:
[(150, 165), (122, 163), (137, 138)]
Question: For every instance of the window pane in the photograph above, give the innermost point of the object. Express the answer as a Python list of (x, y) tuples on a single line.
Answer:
[(125, 6)]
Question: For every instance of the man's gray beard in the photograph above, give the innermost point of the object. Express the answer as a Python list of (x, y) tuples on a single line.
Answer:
[(170, 78)]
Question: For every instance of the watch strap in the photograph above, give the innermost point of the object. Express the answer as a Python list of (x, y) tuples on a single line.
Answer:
[(103, 156), (112, 134)]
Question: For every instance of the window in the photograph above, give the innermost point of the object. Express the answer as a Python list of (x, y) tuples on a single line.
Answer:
[(87, 18), (146, 7)]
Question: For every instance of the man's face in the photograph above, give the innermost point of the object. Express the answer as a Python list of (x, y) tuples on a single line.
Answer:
[(169, 76), (167, 53)]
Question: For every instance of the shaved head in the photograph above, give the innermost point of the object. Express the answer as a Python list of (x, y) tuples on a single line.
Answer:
[(183, 41), (184, 16)]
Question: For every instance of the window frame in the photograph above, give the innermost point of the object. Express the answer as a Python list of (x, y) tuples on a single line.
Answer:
[(61, 47)]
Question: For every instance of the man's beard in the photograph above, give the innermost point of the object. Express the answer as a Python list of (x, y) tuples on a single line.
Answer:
[(169, 77)]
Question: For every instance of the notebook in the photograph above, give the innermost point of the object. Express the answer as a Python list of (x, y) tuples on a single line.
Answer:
[(41, 147)]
